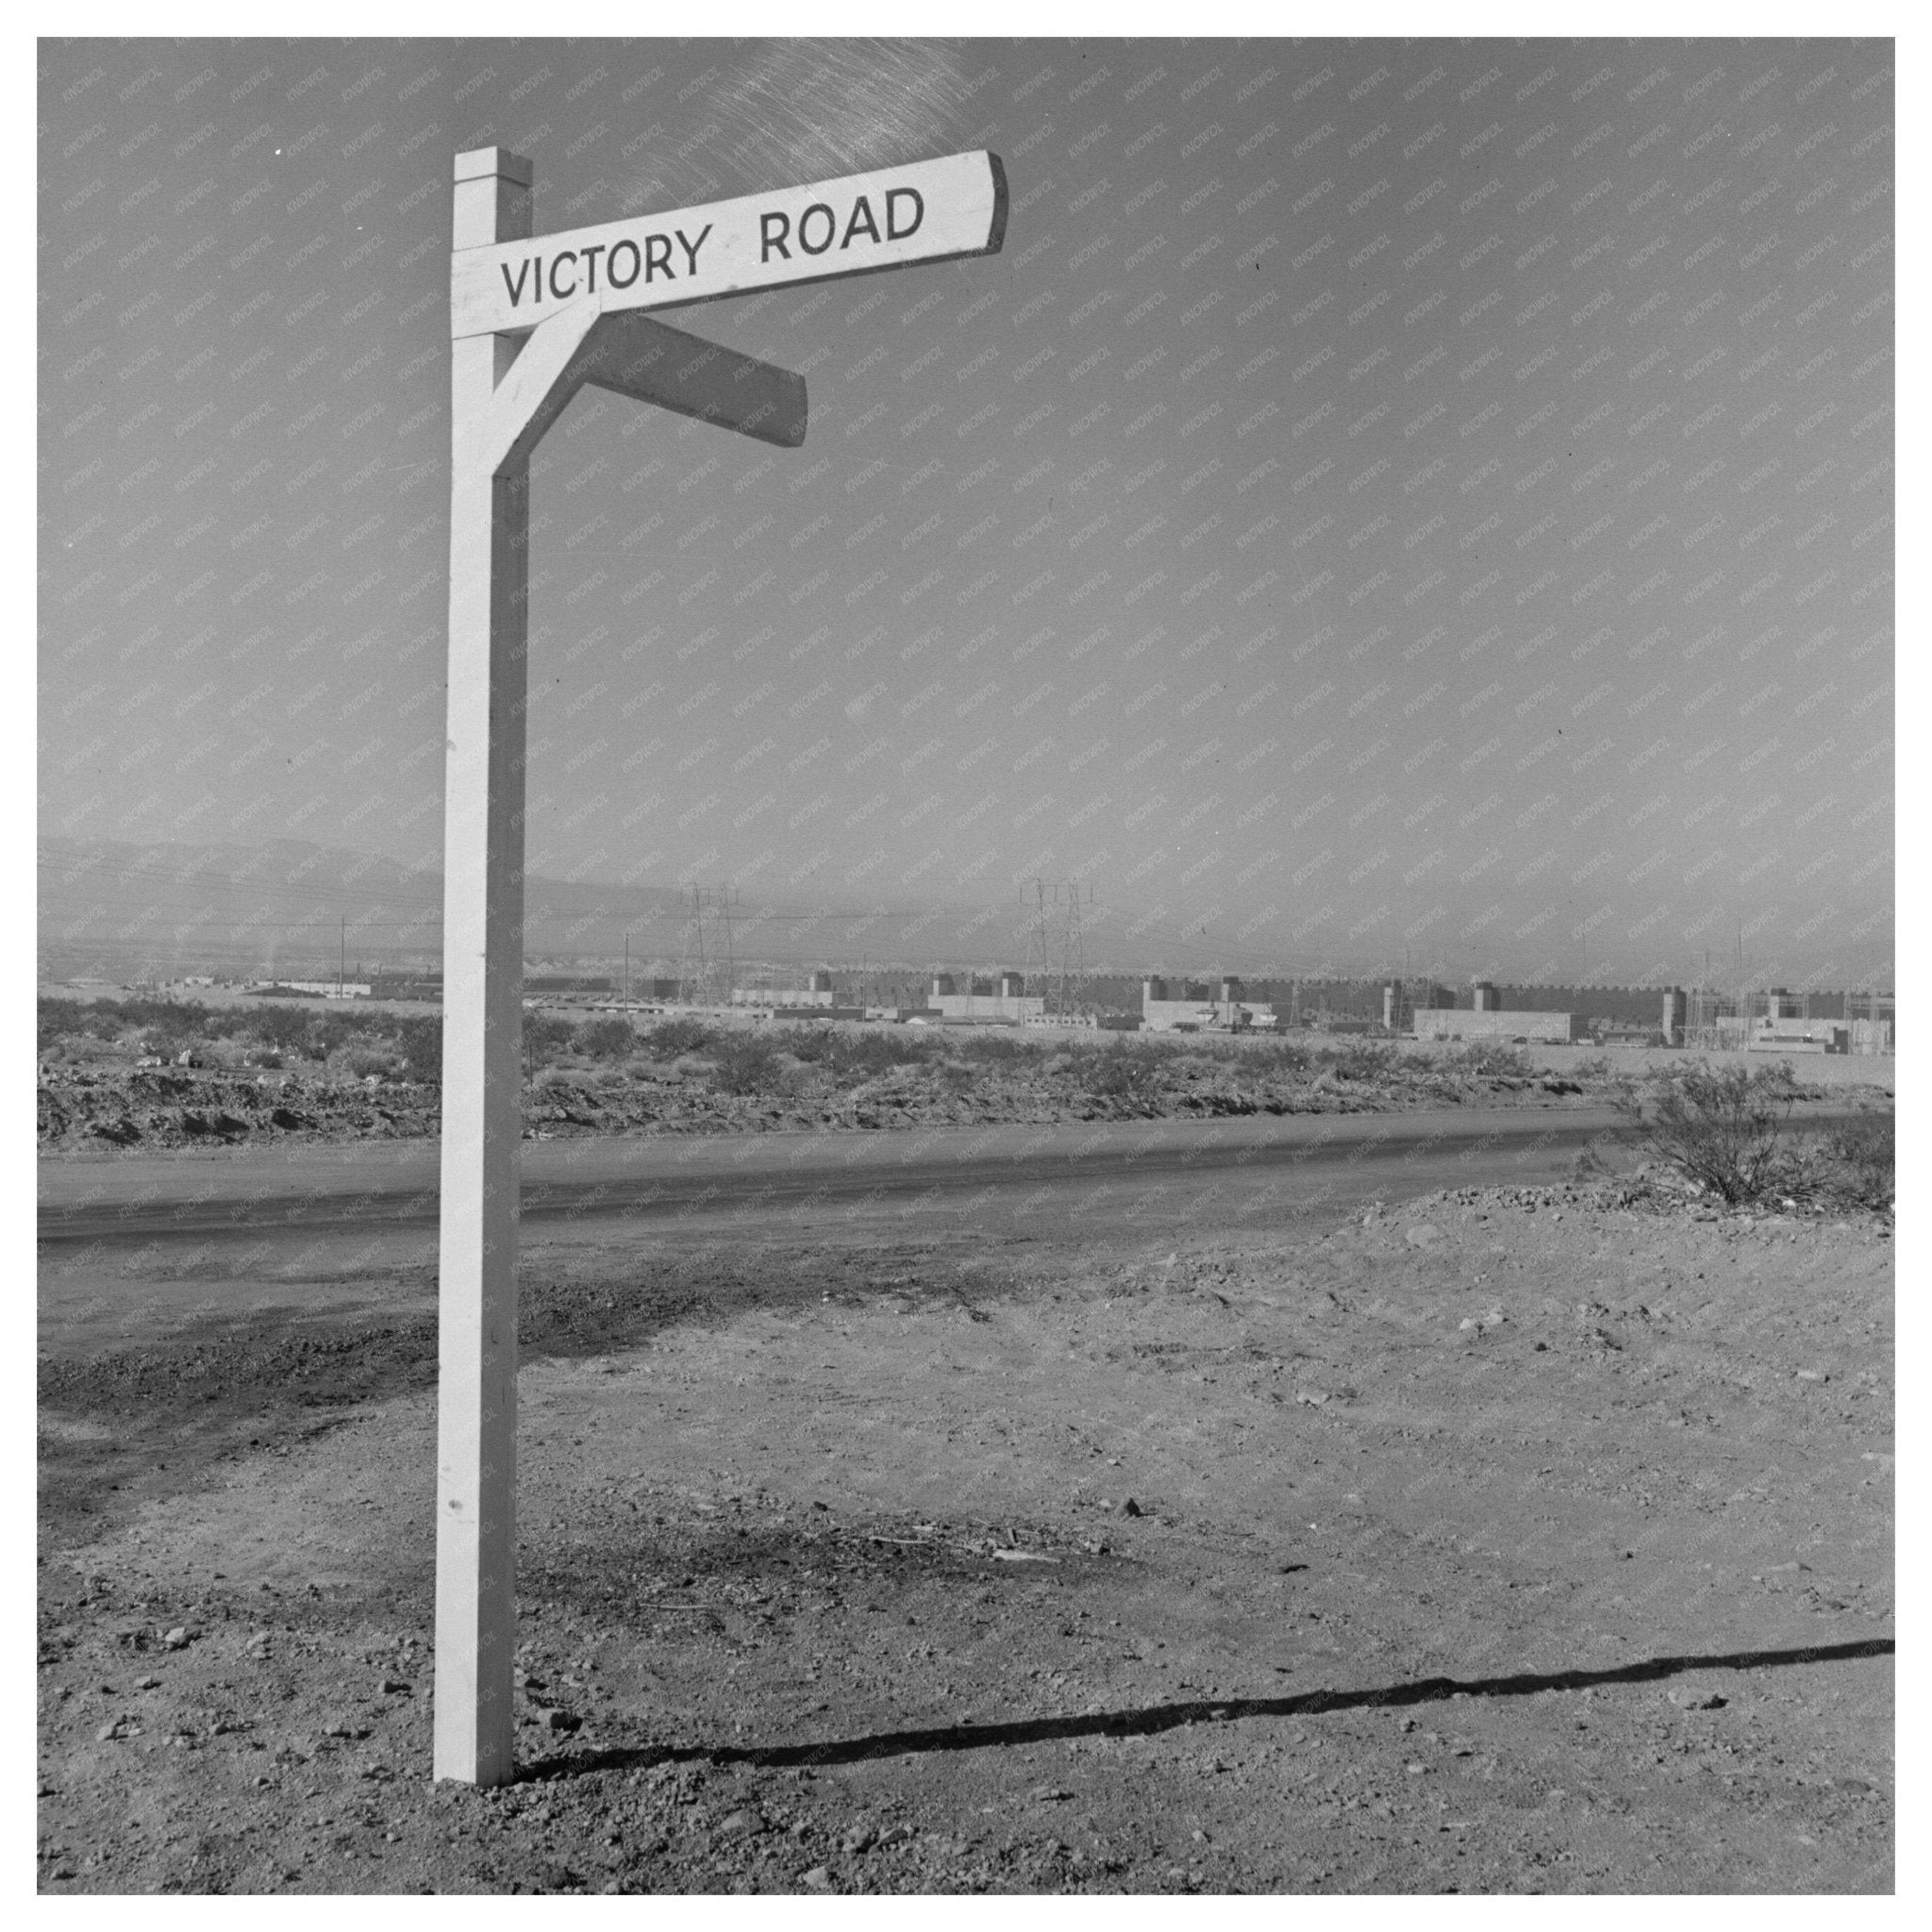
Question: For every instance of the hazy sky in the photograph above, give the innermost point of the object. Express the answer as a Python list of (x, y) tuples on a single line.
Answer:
[(1429, 498)]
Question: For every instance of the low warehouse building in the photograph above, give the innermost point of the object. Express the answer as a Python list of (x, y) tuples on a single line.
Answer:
[(1462, 1024), (1769, 1034)]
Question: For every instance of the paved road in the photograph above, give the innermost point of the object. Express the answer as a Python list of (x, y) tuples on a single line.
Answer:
[(389, 1188)]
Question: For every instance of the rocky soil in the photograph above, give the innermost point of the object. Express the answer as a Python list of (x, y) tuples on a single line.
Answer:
[(1502, 1540)]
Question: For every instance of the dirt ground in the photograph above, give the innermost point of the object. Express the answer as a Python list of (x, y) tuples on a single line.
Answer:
[(1500, 1541)]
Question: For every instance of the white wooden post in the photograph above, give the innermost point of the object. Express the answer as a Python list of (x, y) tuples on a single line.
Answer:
[(482, 1032)]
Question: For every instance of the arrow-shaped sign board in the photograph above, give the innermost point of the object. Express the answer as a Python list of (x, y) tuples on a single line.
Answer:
[(890, 218)]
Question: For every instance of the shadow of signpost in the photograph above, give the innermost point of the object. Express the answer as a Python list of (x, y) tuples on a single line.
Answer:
[(1153, 1719)]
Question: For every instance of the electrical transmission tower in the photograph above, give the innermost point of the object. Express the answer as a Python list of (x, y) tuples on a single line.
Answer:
[(1056, 950), (706, 969)]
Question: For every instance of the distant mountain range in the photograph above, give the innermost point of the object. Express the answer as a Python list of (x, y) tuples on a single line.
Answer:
[(115, 911), (118, 910)]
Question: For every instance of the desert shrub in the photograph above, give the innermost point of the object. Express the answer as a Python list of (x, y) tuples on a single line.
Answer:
[(851, 1056), (1359, 1059), (363, 1059), (1593, 1066), (179, 1017), (607, 1038), (1489, 1060), (746, 1063), (55, 1018), (419, 1044), (338, 1029), (865, 1056), (671, 1038), (280, 1025), (168, 1041), (164, 1025), (1722, 1127), (995, 1049), (1276, 1056), (182, 1022), (1124, 1073), (811, 1044), (1864, 1150), (546, 1035)]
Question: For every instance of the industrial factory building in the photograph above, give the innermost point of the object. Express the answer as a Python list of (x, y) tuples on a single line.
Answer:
[(816, 994), (1774, 1021), (1488, 1018), (1196, 1010), (1004, 1002), (1787, 1024), (1698, 1019)]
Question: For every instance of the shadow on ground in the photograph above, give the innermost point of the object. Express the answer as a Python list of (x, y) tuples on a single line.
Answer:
[(1155, 1718)]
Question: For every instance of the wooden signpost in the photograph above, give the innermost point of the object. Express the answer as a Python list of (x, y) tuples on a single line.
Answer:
[(533, 319)]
